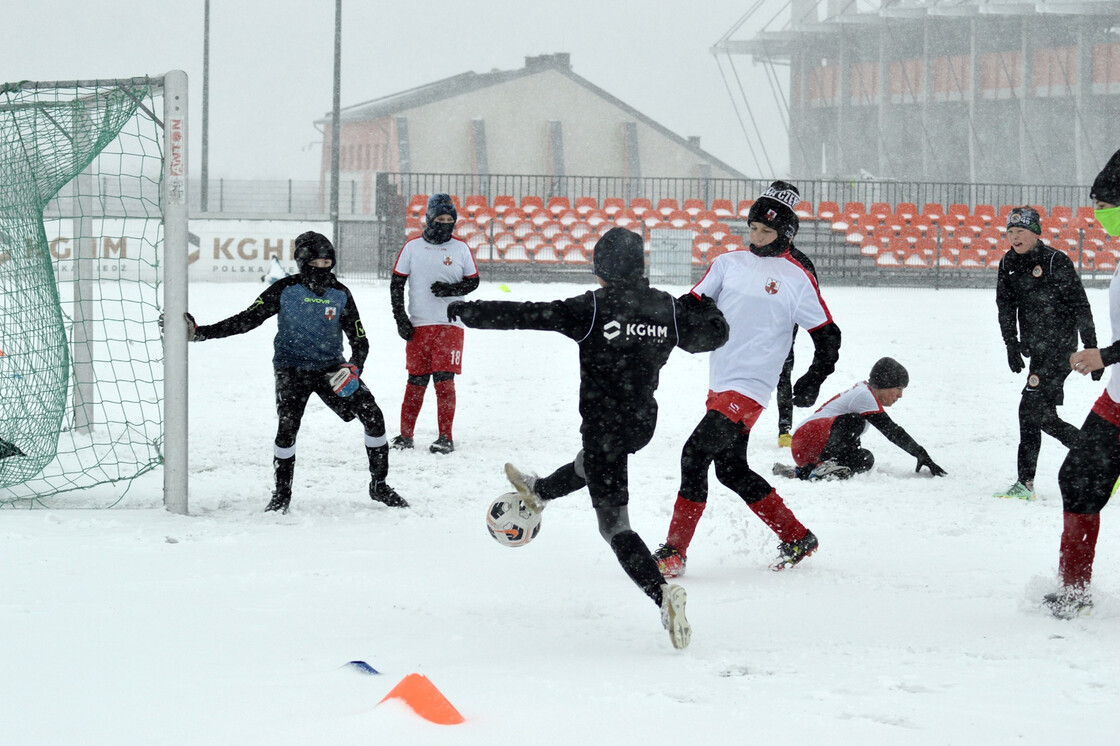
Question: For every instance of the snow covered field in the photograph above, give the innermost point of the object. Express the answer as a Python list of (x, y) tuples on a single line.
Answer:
[(917, 622)]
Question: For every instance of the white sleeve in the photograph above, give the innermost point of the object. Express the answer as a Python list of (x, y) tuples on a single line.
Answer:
[(403, 265), (712, 281), (811, 312)]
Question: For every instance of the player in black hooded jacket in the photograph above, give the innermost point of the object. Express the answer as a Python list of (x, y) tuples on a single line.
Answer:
[(625, 331), (314, 310), (1042, 307)]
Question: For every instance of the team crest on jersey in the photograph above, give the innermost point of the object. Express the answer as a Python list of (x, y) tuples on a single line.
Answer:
[(1037, 271), (447, 260), (772, 285), (1032, 381), (329, 313)]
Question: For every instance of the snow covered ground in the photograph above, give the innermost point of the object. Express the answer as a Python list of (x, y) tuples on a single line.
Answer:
[(917, 622)]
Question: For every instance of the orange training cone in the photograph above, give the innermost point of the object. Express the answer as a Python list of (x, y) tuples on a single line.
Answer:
[(425, 700)]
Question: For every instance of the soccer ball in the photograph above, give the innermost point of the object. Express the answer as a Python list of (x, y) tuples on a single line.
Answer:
[(510, 521)]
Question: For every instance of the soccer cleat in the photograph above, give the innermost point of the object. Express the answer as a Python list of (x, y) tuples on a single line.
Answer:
[(673, 619), (829, 470), (279, 502), (669, 561), (443, 444), (525, 485), (401, 443), (785, 440), (793, 552), (380, 492), (1019, 490), (782, 470), (1068, 602)]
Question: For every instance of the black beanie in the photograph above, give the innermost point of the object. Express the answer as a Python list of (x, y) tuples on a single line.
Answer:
[(620, 255), (1025, 217), (774, 209), (1106, 187), (888, 373), (312, 245), (440, 204)]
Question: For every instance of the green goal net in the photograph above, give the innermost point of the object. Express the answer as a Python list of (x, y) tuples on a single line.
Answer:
[(81, 232)]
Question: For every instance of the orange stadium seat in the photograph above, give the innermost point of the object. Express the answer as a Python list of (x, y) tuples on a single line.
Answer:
[(853, 210), (667, 206), (551, 230), (907, 211), (417, 205), (679, 219), (1062, 213), (613, 205), (585, 205), (483, 217), (900, 247), (558, 205), (705, 219), (719, 231), (732, 242), (513, 216), (503, 203), (744, 208), (531, 204), (540, 217), (828, 210), (958, 210), (701, 245), (579, 229), (1051, 227), (473, 203), (627, 219), (595, 218), (934, 211), (1084, 216), (987, 212), (970, 258), (804, 211), (723, 208), (880, 210), (640, 206), (521, 229), (693, 206), (568, 218)]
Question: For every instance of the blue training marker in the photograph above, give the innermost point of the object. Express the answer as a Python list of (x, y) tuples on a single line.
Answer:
[(363, 667)]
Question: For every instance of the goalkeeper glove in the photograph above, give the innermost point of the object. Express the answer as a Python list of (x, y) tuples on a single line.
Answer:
[(1014, 358), (934, 469), (806, 389), (404, 328), (192, 326), (345, 380), (455, 309)]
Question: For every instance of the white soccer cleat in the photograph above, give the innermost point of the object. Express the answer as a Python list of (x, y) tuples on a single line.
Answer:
[(525, 484), (673, 619)]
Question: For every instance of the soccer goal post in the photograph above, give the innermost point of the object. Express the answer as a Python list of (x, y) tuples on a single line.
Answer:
[(93, 247)]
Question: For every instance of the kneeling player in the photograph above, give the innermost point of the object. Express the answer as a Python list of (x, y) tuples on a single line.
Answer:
[(827, 444)]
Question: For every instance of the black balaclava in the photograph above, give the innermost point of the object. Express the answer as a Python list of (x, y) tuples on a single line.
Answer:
[(888, 373), (619, 256), (312, 245), (774, 208), (1106, 187), (437, 233)]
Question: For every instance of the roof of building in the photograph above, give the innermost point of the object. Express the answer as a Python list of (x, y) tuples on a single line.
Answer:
[(468, 82)]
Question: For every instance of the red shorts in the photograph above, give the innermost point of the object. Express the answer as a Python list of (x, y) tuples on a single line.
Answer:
[(735, 407), (810, 439), (434, 348), (1107, 409)]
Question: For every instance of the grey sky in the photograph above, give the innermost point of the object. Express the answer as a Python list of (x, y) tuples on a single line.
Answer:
[(271, 62)]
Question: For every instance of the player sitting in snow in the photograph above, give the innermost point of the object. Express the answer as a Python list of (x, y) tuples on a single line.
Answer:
[(827, 444), (625, 331)]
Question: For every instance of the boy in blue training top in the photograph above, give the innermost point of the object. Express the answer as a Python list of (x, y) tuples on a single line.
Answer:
[(313, 312)]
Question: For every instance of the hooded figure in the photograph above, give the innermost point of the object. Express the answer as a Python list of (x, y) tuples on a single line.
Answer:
[(620, 256), (308, 247), (437, 233), (774, 209)]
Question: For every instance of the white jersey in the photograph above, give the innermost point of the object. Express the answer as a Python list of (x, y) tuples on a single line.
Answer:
[(761, 298), (1113, 387), (424, 263), (856, 400)]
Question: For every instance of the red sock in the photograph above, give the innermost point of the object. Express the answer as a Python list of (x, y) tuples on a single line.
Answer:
[(1078, 548), (410, 408), (686, 514), (781, 520), (445, 406)]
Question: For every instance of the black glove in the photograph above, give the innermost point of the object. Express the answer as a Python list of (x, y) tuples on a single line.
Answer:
[(934, 469), (1097, 375), (806, 389), (448, 289), (404, 328), (454, 308), (1014, 359)]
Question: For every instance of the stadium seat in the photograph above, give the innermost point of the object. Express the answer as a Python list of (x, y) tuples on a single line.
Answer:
[(705, 219), (1052, 227), (853, 211), (693, 206), (828, 210), (627, 219), (887, 260), (719, 231), (959, 211), (916, 259), (413, 225), (667, 206), (546, 253), (927, 247), (1001, 216), (990, 235), (417, 205), (970, 258), (723, 208), (483, 217), (882, 234), (550, 230), (612, 206), (732, 242), (1094, 238), (899, 247), (531, 204), (540, 216), (911, 233), (558, 205), (804, 211), (880, 210), (987, 212), (579, 229), (522, 229), (678, 219), (584, 205), (652, 220), (934, 211), (568, 218), (503, 203), (701, 245), (744, 208), (1085, 216), (1061, 213), (595, 218), (951, 247), (862, 229), (1067, 239), (906, 211), (473, 203), (572, 252), (972, 224), (513, 216), (640, 206)]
